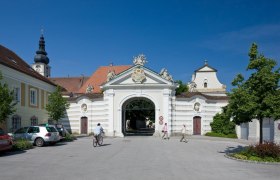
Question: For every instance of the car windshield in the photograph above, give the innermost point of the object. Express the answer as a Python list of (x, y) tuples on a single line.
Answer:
[(51, 129), (21, 130)]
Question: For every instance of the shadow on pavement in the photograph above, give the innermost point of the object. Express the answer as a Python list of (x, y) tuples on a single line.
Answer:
[(11, 153), (105, 144), (233, 149)]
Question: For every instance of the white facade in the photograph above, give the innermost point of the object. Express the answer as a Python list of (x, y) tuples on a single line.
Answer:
[(26, 110), (205, 80), (251, 131), (195, 109), (184, 113), (158, 88)]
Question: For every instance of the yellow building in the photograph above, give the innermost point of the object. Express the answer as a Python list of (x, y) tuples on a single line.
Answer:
[(31, 89)]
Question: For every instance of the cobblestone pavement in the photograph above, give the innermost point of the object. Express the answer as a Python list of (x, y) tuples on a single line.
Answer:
[(129, 158)]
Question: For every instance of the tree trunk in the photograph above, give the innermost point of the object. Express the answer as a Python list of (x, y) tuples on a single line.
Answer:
[(261, 130)]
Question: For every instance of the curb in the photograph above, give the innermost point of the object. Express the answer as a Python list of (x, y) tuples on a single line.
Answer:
[(253, 162)]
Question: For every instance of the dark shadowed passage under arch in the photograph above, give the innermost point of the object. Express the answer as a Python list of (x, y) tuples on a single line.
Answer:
[(138, 117)]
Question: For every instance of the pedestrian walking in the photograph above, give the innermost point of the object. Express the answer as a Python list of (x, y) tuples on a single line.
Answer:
[(165, 132), (184, 134)]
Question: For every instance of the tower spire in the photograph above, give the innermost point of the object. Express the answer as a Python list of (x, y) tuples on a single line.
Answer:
[(41, 54), (42, 31)]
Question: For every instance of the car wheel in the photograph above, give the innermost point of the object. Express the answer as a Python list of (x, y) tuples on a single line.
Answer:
[(39, 142)]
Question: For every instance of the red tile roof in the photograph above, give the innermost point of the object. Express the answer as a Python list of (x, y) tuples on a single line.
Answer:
[(12, 60), (100, 76), (71, 84)]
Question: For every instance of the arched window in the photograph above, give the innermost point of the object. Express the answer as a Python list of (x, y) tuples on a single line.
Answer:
[(16, 122), (205, 85), (34, 121)]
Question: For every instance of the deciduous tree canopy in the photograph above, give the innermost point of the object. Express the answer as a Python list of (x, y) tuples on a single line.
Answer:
[(258, 97), (182, 87), (57, 105), (7, 103)]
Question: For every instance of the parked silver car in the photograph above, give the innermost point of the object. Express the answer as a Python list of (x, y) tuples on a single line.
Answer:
[(60, 128), (39, 135)]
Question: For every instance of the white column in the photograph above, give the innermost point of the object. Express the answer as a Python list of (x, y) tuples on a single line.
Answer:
[(109, 97), (166, 111)]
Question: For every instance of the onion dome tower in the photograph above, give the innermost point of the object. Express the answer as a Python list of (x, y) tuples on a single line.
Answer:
[(41, 60)]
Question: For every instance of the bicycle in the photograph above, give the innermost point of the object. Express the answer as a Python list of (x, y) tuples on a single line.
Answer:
[(98, 140)]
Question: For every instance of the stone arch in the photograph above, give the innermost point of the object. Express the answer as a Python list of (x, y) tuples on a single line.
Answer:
[(138, 115)]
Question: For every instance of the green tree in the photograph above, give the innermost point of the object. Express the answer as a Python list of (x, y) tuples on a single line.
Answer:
[(7, 103), (182, 87), (258, 97), (222, 124), (57, 105)]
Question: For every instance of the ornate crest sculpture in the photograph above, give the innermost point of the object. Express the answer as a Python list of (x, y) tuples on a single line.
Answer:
[(196, 106), (140, 60), (84, 107), (110, 75), (89, 89), (192, 86), (138, 75), (164, 74)]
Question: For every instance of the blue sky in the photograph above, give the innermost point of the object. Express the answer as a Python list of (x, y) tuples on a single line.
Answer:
[(179, 35)]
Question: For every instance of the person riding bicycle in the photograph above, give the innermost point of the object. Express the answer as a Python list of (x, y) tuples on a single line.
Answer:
[(97, 131)]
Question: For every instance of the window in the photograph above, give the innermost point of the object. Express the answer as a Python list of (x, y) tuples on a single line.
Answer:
[(21, 130), (205, 85), (17, 94), (33, 130), (33, 97), (34, 121), (16, 122), (51, 129)]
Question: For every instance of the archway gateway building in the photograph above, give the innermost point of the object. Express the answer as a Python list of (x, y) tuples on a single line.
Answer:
[(126, 100), (135, 100)]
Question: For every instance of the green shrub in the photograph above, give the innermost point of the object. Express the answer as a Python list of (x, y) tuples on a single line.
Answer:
[(69, 137), (255, 158), (222, 124), (231, 136), (266, 152), (22, 144), (240, 156), (214, 134)]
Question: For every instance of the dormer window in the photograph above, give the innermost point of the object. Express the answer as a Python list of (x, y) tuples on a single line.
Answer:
[(12, 59)]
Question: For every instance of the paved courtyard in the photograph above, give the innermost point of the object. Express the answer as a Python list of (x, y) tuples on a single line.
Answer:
[(147, 158)]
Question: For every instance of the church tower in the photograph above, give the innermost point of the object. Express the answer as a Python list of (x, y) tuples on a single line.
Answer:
[(205, 80), (41, 60)]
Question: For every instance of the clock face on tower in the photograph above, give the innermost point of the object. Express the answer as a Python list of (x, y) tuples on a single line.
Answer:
[(38, 68)]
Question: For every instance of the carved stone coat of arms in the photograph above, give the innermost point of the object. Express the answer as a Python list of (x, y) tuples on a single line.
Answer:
[(138, 75)]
